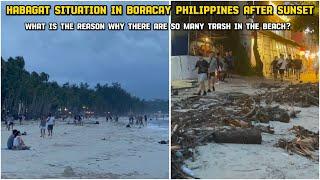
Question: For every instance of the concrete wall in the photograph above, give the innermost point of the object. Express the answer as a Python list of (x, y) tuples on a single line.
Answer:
[(182, 67)]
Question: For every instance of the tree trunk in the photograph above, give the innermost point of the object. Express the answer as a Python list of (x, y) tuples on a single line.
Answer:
[(238, 136)]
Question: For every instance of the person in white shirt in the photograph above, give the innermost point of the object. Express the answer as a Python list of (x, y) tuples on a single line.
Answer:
[(282, 65), (50, 124), (18, 143)]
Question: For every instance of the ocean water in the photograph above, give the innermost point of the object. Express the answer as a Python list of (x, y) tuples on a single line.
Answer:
[(155, 123), (160, 123)]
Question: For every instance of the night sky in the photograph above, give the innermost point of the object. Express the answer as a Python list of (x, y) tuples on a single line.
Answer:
[(138, 60)]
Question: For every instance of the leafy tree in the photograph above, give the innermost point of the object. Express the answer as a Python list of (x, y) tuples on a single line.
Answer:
[(39, 96)]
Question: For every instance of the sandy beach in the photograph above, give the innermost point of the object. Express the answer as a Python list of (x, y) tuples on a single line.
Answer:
[(223, 160), (105, 150), (259, 161)]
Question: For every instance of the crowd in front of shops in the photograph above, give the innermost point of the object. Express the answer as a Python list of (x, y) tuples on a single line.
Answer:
[(289, 67), (217, 69)]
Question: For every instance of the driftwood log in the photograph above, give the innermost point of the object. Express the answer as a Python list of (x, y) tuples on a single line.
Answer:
[(237, 135)]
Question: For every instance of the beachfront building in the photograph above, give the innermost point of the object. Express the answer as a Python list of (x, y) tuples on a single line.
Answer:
[(270, 43), (188, 45), (257, 48)]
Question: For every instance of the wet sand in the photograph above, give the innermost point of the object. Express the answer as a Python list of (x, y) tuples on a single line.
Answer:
[(105, 150)]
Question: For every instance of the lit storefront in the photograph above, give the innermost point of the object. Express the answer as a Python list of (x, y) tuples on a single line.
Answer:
[(272, 44)]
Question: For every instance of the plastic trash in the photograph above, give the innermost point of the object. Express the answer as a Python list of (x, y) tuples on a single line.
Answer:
[(179, 154), (187, 171)]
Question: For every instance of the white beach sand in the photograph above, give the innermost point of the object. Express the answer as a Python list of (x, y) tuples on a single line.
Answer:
[(222, 161), (125, 152), (259, 161)]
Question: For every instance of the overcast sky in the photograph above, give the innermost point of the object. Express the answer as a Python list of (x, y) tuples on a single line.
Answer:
[(136, 59)]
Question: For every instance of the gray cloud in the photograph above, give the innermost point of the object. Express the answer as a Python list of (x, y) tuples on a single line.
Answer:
[(136, 59)]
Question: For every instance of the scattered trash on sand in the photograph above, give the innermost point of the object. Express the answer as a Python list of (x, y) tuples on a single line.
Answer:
[(302, 95), (235, 117), (305, 143)]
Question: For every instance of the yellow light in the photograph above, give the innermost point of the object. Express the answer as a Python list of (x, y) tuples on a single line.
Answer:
[(284, 18), (307, 54)]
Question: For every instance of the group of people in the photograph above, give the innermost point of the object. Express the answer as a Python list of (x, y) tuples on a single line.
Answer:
[(47, 123), (286, 67), (15, 141), (109, 117), (218, 67), (139, 120), (78, 120), (9, 120)]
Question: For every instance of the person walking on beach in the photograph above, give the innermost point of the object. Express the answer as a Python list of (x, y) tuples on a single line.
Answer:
[(224, 69), (146, 119), (131, 119), (231, 61), (75, 119), (289, 68), (282, 65), (20, 119), (42, 126), (228, 65), (297, 67), (11, 139), (80, 120), (202, 66), (212, 72), (50, 123), (219, 67), (274, 68), (10, 123), (140, 121)]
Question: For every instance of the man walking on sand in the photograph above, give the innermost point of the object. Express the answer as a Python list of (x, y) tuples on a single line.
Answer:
[(282, 64), (146, 119), (274, 67), (212, 72), (202, 66), (10, 123), (50, 123)]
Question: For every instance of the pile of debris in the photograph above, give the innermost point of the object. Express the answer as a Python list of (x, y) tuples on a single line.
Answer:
[(302, 95), (305, 143), (267, 85), (227, 118)]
